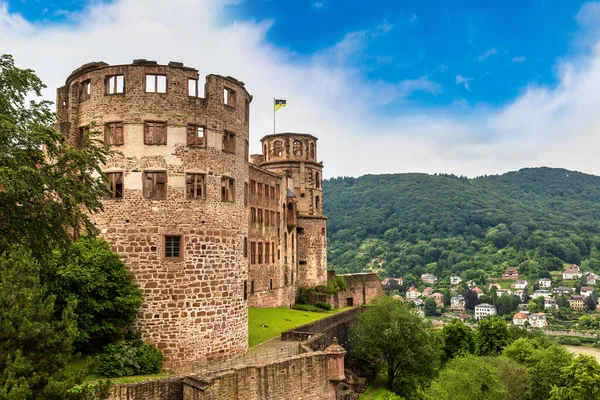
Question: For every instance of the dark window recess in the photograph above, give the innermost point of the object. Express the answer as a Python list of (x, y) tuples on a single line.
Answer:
[(227, 189), (271, 284), (245, 193), (229, 97), (115, 185), (245, 247), (155, 185), (195, 186), (172, 246), (156, 83), (113, 133), (82, 136), (247, 111), (285, 277), (229, 142), (85, 90), (245, 290), (115, 84), (155, 133), (300, 231), (195, 136), (252, 287)]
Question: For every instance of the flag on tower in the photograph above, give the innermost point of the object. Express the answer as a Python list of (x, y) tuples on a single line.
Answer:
[(279, 103)]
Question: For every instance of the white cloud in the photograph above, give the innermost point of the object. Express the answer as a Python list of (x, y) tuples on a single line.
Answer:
[(485, 55), (318, 4), (461, 80), (327, 94), (518, 59), (412, 19)]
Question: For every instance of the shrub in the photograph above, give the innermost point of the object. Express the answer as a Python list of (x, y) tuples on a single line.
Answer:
[(323, 305), (129, 358), (302, 297), (569, 341), (306, 307), (149, 359)]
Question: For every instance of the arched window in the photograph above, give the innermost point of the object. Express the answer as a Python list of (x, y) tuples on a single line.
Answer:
[(317, 202), (297, 148), (312, 151), (278, 149), (317, 180)]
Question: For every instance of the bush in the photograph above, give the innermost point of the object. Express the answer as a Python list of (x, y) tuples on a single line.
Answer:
[(302, 297), (129, 358), (306, 307), (323, 305), (569, 341)]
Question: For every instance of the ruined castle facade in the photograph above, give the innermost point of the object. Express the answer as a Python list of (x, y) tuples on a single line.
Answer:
[(207, 229)]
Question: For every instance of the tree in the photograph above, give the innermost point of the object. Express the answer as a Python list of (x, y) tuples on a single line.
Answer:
[(492, 336), (507, 304), (104, 292), (514, 377), (35, 348), (430, 307), (457, 339), (47, 186), (389, 334), (546, 371), (581, 380), (471, 299)]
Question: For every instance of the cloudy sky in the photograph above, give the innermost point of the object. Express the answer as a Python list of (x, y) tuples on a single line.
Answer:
[(460, 87)]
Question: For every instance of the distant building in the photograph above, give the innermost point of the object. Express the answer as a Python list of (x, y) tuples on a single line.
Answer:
[(520, 284), (412, 293), (511, 273), (550, 304), (573, 272), (586, 291), (503, 292), (592, 278), (391, 282), (563, 290), (494, 285), (520, 293), (576, 302), (478, 291), (520, 318), (428, 291), (455, 280), (439, 299), (546, 294), (538, 320), (429, 278), (471, 284), (457, 303), (484, 310), (545, 282)]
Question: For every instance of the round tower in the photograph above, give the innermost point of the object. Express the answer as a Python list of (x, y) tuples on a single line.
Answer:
[(178, 216), (294, 155)]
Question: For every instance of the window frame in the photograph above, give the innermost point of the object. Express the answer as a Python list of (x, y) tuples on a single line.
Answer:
[(195, 86), (153, 190), (83, 93), (229, 97), (297, 148), (180, 257), (192, 132), (115, 87), (82, 131), (195, 176), (111, 175), (110, 127), (229, 142), (155, 124), (230, 182), (156, 83)]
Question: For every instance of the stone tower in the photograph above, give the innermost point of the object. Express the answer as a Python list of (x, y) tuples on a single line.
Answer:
[(294, 155), (178, 218)]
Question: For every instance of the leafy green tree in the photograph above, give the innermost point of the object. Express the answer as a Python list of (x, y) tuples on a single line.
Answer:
[(507, 304), (546, 371), (389, 334), (430, 307), (457, 339), (514, 376), (581, 380), (35, 348), (471, 299), (48, 187), (492, 336), (104, 292)]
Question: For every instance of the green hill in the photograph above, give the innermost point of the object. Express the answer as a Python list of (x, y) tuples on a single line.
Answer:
[(535, 218)]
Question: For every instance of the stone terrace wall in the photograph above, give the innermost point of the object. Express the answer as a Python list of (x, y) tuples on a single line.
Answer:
[(163, 389), (361, 289)]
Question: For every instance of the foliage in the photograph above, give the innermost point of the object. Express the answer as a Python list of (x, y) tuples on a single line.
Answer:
[(389, 334), (581, 380), (35, 348), (323, 305), (104, 292), (458, 339), (302, 296), (48, 187), (492, 336), (129, 358), (430, 307)]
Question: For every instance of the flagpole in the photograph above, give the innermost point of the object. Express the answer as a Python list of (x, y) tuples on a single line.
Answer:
[(273, 115)]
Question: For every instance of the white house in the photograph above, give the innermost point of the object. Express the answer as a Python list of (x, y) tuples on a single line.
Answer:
[(520, 318), (429, 278), (545, 282), (520, 284), (546, 294), (538, 320), (502, 292), (550, 304), (457, 303), (455, 280), (520, 293), (586, 291), (592, 278), (412, 293), (572, 272), (484, 310)]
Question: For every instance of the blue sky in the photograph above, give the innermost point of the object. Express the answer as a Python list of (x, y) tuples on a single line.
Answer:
[(468, 87)]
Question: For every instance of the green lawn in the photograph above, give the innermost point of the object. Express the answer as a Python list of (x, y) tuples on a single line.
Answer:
[(266, 323)]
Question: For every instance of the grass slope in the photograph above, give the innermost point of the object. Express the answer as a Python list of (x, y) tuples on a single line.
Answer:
[(266, 323)]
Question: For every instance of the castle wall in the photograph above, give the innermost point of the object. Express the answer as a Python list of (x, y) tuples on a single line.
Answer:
[(194, 302), (312, 251), (361, 289)]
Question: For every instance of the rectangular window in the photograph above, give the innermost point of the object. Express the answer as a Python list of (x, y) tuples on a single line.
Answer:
[(82, 136), (253, 253), (227, 189), (252, 214), (192, 87), (260, 216), (85, 90), (252, 287), (272, 189), (247, 111), (271, 284), (228, 142), (273, 218), (245, 247), (267, 253), (260, 253), (252, 186), (278, 190), (267, 213), (260, 189), (113, 133), (229, 97), (245, 193), (155, 132), (246, 151), (285, 277), (195, 136), (115, 185), (156, 83), (115, 84), (245, 290), (173, 248), (195, 186), (155, 185), (273, 252)]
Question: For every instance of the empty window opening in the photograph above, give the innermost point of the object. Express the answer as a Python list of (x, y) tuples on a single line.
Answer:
[(297, 148), (245, 290), (115, 84), (173, 247), (273, 252), (115, 184), (285, 279), (318, 180), (278, 148), (322, 231), (260, 216), (85, 90), (192, 87), (253, 254), (245, 193), (229, 97), (252, 214), (317, 202), (113, 133), (155, 133), (267, 253), (82, 136), (227, 189), (229, 142), (195, 136), (272, 189), (247, 111), (252, 186), (156, 83), (260, 189), (245, 247), (246, 151), (195, 186), (300, 231), (271, 284), (278, 190), (251, 287), (260, 253), (312, 151), (155, 185)]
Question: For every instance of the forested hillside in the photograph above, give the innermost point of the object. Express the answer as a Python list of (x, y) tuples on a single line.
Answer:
[(406, 224)]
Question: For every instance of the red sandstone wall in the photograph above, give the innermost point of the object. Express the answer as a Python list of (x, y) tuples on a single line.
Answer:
[(361, 288), (312, 251)]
